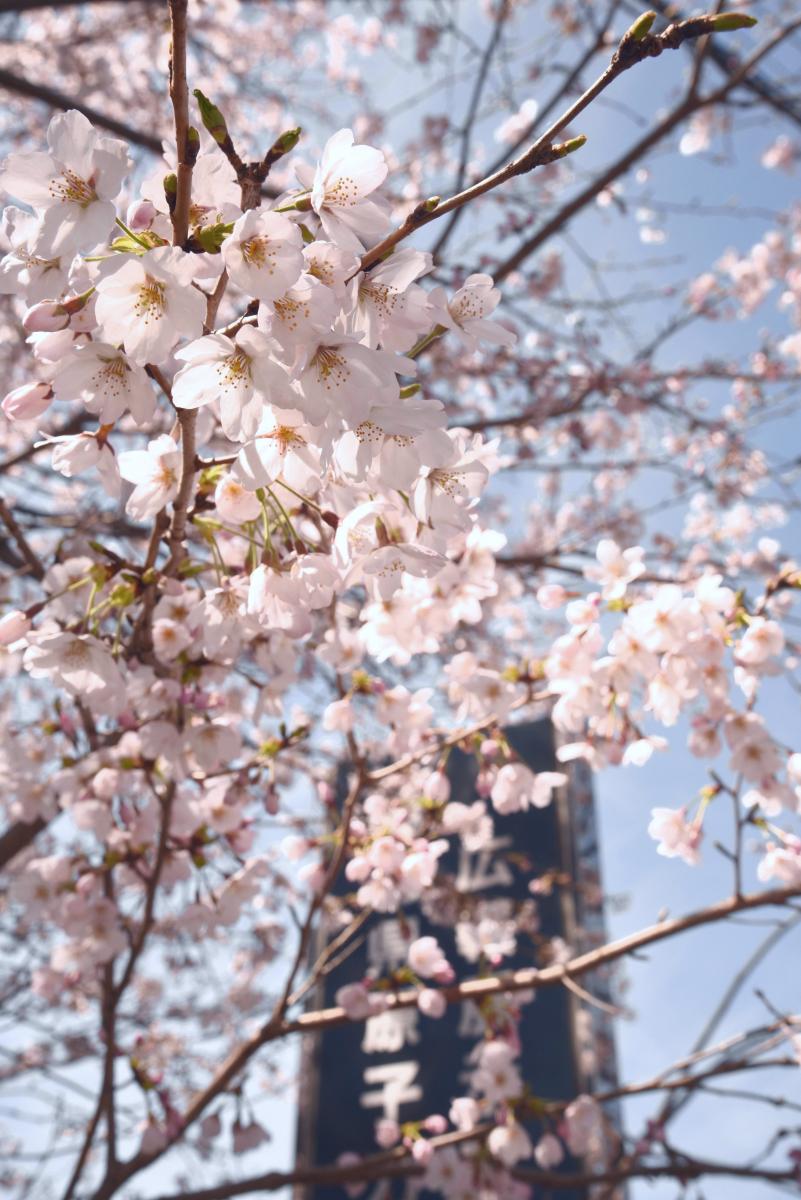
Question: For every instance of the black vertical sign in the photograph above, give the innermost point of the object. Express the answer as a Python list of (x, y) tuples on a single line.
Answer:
[(405, 1066)]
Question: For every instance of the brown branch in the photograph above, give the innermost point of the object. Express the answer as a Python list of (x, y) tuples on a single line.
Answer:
[(683, 1170), (109, 1026), (32, 560), (687, 106), (564, 89), (150, 896), (18, 836), (534, 977), (397, 1162), (179, 95), (85, 1148), (38, 91), (630, 52), (783, 103), (472, 989)]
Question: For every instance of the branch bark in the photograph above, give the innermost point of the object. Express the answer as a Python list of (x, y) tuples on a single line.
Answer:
[(630, 52), (11, 82), (685, 109)]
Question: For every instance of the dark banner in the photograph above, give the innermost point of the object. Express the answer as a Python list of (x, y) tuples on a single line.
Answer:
[(405, 1066)]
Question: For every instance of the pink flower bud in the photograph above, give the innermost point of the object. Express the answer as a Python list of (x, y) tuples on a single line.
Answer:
[(13, 626), (435, 1124), (432, 1004), (154, 1138), (387, 1133), (551, 595), (437, 787), (46, 317), (490, 749), (548, 1152), (422, 1151), (325, 792), (271, 804), (27, 402), (141, 215), (66, 723)]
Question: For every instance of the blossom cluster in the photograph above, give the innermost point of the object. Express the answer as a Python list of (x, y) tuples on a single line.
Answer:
[(302, 564)]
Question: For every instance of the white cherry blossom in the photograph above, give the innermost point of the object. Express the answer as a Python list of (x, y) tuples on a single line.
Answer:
[(148, 302), (240, 374), (72, 187), (339, 186), (22, 269), (390, 310), (82, 665), (467, 313), (263, 254), (615, 569), (107, 382), (283, 446), (155, 473), (337, 374)]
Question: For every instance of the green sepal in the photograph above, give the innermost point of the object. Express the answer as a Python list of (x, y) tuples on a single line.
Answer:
[(210, 238), (128, 245)]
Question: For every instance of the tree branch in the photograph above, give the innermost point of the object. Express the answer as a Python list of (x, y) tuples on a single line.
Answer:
[(688, 106), (11, 82), (629, 52), (534, 977)]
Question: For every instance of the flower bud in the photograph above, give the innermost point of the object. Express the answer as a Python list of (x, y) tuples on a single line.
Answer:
[(551, 595), (570, 146), (140, 215), (641, 27), (435, 1124), (282, 145), (727, 22), (171, 191), (422, 1151), (13, 626), (46, 317), (211, 117), (192, 145), (27, 402)]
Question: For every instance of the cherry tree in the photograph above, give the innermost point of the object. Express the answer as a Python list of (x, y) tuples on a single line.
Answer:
[(271, 408)]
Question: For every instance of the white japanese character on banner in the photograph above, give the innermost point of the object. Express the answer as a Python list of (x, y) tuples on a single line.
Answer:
[(390, 1031), (388, 943), (398, 1087), (484, 868)]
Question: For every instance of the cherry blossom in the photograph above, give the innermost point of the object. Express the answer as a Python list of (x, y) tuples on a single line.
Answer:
[(263, 255), (148, 302), (155, 472), (377, 511), (240, 374), (467, 313), (345, 176), (106, 381), (72, 188)]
